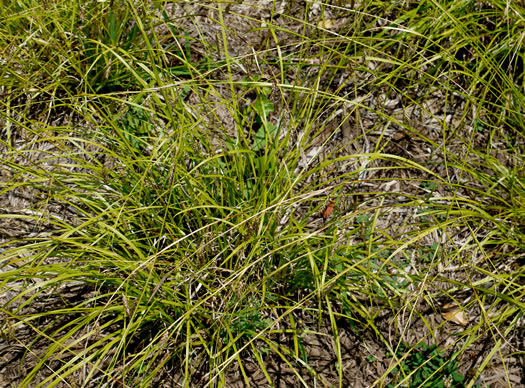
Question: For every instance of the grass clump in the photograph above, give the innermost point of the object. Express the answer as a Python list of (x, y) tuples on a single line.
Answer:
[(196, 194)]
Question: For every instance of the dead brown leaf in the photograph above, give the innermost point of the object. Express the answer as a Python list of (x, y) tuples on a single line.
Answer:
[(455, 314)]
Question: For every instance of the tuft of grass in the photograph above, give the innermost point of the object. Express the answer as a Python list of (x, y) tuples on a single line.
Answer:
[(163, 189)]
